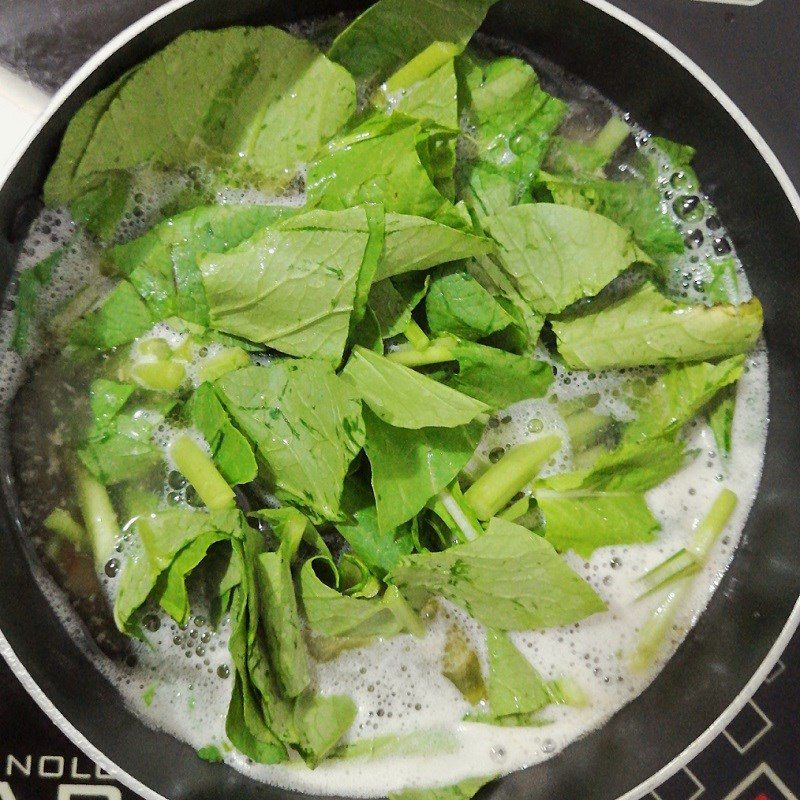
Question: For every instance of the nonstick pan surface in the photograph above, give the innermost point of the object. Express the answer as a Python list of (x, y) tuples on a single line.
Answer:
[(753, 613)]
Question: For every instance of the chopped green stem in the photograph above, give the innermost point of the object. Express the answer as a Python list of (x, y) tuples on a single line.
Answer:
[(517, 509), (98, 514), (712, 525), (159, 376), (680, 565), (566, 691), (418, 338), (438, 352), (200, 471), (228, 360), (470, 528), (610, 137), (403, 612), (63, 525), (678, 571), (421, 66), (658, 626), (512, 473)]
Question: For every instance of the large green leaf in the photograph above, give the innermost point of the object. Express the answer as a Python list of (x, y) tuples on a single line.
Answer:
[(633, 204), (391, 32), (379, 550), (305, 424), (404, 398), (162, 264), (648, 328), (584, 520), (242, 97), (456, 303), (410, 466), (495, 377), (515, 687), (509, 579), (291, 287), (556, 254), (393, 161), (677, 396), (511, 119)]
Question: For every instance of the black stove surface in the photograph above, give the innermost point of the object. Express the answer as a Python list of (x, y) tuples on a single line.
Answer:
[(750, 47)]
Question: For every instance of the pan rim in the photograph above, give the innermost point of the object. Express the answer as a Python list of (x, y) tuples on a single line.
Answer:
[(717, 726)]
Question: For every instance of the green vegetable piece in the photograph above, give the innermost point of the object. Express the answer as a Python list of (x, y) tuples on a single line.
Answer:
[(678, 573), (99, 201), (404, 398), (159, 376), (393, 161), (81, 128), (724, 284), (121, 318), (98, 514), (634, 466), (460, 665), (331, 613), (510, 121), (230, 449), (305, 423), (512, 473), (393, 306), (172, 594), (465, 790), (647, 328), (162, 264), (281, 621), (156, 347), (419, 743), (200, 471), (456, 303), (107, 398), (495, 377), (292, 287), (556, 254), (632, 204), (60, 522), (321, 722), (392, 32), (492, 277), (678, 395), (584, 521), (237, 105), (410, 466), (720, 420), (380, 550), (227, 360), (210, 753), (508, 579), (425, 88), (31, 282), (414, 243), (514, 687)]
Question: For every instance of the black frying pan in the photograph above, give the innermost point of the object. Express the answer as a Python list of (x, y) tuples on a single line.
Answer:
[(752, 615)]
